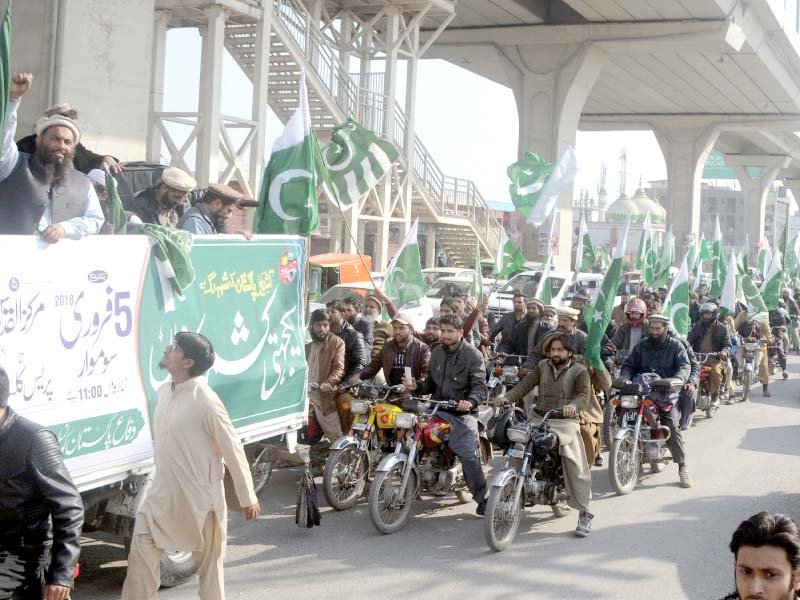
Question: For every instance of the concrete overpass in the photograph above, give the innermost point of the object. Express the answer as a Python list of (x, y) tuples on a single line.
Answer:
[(699, 73)]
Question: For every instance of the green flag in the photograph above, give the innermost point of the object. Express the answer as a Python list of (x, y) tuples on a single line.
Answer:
[(705, 250), (287, 200), (665, 260), (585, 256), (650, 268), (508, 259), (116, 214), (771, 286), (764, 258), (544, 291), (536, 184), (691, 256), (718, 262), (357, 160), (600, 314), (172, 249), (676, 302), (476, 290), (645, 239), (404, 282), (756, 309), (728, 296), (5, 62)]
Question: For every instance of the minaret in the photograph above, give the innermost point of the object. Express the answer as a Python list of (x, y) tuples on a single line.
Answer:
[(602, 194)]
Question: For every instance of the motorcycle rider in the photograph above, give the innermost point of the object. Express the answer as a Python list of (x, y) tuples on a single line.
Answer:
[(779, 323), (618, 314), (404, 350), (432, 334), (687, 397), (565, 385), (352, 306), (794, 314), (457, 372), (355, 357), (708, 336), (527, 335), (633, 330), (506, 323), (749, 328), (568, 324), (662, 354)]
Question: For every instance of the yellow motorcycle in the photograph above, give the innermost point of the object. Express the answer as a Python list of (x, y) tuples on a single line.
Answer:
[(353, 457)]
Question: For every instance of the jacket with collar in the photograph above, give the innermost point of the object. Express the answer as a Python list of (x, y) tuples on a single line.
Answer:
[(416, 355), (458, 375), (720, 337), (668, 359), (569, 385), (355, 352)]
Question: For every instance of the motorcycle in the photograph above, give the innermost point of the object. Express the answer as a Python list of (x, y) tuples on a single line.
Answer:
[(640, 438), (533, 475), (354, 456), (503, 374), (704, 400), (421, 461), (751, 358)]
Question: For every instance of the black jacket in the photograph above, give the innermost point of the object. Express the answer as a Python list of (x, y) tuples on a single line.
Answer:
[(39, 504), (84, 160), (518, 344), (355, 352), (669, 359), (364, 327), (694, 378), (459, 375), (505, 326), (720, 338)]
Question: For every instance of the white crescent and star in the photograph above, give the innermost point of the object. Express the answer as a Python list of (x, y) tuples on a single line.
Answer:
[(277, 185)]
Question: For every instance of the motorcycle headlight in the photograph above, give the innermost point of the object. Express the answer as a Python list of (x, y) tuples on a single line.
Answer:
[(405, 420), (509, 372), (518, 436), (751, 346), (628, 401), (359, 407)]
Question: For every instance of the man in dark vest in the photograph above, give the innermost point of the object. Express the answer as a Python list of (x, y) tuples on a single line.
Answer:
[(41, 513), (42, 192)]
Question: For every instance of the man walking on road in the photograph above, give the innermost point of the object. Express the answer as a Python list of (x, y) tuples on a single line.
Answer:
[(184, 508)]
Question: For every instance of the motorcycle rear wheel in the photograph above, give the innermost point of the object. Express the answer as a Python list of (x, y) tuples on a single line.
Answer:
[(341, 487), (747, 380), (624, 467), (388, 512), (501, 523)]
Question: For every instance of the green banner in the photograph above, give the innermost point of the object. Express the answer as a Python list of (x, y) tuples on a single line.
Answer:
[(96, 434)]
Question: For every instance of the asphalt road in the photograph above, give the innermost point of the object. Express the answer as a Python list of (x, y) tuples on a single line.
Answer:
[(660, 541)]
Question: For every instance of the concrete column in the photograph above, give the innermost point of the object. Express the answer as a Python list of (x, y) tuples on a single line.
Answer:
[(755, 188), (260, 108), (430, 246), (685, 151), (556, 79), (410, 133), (207, 169), (157, 84)]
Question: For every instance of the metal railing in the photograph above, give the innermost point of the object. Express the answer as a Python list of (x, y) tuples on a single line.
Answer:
[(365, 102)]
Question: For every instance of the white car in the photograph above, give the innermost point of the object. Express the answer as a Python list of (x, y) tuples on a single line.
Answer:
[(419, 311), (433, 274), (501, 301), (445, 287)]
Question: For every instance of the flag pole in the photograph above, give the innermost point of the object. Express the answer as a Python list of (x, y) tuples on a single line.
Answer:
[(355, 244)]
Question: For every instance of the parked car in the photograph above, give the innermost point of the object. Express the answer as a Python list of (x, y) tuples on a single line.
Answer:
[(500, 302), (434, 273)]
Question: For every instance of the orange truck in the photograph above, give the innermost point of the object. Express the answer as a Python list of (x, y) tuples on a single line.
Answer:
[(328, 270)]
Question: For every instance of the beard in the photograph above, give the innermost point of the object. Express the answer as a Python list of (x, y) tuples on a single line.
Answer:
[(47, 168), (429, 338), (219, 222), (319, 337), (372, 319), (558, 361), (657, 340)]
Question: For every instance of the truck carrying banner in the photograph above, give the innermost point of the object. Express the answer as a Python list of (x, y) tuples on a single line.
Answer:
[(83, 328)]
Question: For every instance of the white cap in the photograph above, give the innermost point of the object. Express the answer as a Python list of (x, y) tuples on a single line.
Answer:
[(97, 176)]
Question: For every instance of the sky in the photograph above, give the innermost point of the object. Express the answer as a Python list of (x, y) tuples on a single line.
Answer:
[(468, 123)]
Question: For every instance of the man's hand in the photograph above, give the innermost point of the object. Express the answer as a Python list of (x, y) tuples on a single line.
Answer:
[(500, 401), (464, 406), (570, 411), (110, 163), (690, 389), (355, 380), (56, 592), (483, 305), (522, 372), (248, 235), (381, 296), (326, 387), (412, 386), (53, 233), (20, 85), (251, 512)]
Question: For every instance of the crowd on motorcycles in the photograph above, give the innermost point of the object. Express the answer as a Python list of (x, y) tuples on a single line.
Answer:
[(421, 412)]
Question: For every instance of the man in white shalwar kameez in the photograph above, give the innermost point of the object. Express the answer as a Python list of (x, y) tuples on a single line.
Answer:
[(184, 509)]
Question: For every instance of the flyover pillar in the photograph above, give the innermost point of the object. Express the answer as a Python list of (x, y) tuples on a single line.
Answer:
[(756, 174), (685, 150), (556, 79)]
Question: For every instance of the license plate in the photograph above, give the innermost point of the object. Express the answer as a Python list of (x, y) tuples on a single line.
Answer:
[(360, 426), (514, 453)]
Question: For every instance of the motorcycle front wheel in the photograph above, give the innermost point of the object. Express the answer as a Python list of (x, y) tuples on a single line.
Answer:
[(747, 381), (344, 477), (388, 511), (610, 424), (624, 468), (501, 523)]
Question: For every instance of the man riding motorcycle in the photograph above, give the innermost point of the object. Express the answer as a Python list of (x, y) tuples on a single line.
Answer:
[(687, 397), (527, 335), (751, 329), (564, 385), (634, 329), (659, 353), (711, 336)]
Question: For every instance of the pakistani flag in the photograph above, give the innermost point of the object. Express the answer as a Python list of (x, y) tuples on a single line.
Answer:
[(536, 184), (650, 268), (728, 299), (705, 250), (764, 258), (600, 314), (691, 255), (585, 256), (665, 260), (756, 309), (771, 286), (509, 258), (544, 291), (718, 265), (476, 291), (287, 200), (404, 282), (698, 276), (357, 160), (676, 303), (117, 218), (172, 249), (644, 243)]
